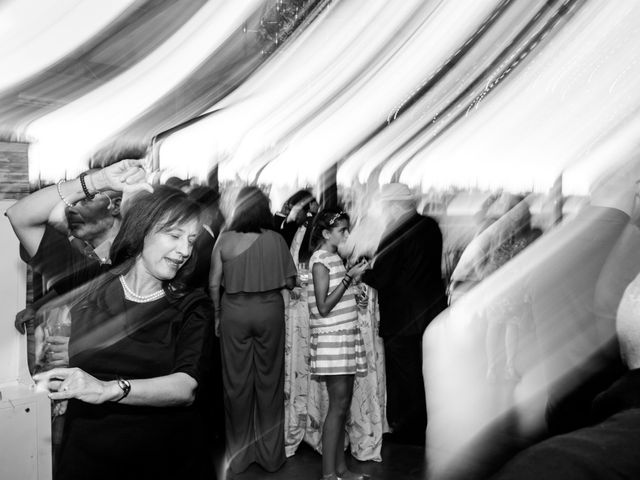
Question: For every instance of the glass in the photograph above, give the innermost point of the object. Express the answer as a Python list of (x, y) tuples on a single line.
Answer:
[(303, 274), (54, 351), (53, 341)]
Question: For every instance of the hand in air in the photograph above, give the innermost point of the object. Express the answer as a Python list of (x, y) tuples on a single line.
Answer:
[(121, 175)]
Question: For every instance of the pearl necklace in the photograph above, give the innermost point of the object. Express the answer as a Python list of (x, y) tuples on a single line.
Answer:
[(134, 297)]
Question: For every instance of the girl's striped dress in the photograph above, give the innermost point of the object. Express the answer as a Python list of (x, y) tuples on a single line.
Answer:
[(336, 345)]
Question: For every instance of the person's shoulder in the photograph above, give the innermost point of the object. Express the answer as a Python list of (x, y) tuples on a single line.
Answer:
[(427, 220), (322, 256), (427, 224), (272, 235)]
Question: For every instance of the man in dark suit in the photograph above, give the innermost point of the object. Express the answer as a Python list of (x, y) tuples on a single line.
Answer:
[(406, 273)]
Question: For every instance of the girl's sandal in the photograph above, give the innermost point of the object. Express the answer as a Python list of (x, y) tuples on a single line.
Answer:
[(329, 476)]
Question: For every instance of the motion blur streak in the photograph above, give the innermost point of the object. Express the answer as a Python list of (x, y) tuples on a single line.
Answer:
[(70, 134), (571, 94), (57, 29)]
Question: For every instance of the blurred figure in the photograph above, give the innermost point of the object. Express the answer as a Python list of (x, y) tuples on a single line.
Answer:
[(607, 447), (506, 315), (252, 263), (211, 397), (93, 224), (138, 339), (474, 262), (296, 228), (212, 223), (574, 276), (406, 272)]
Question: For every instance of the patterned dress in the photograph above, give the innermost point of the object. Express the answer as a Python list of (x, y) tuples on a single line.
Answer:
[(336, 345)]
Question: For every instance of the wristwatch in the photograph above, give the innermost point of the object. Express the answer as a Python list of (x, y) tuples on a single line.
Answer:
[(125, 386)]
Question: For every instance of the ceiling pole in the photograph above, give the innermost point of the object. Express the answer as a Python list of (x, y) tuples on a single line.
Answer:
[(556, 199), (328, 188)]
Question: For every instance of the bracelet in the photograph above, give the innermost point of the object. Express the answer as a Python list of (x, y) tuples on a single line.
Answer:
[(87, 194), (125, 385), (346, 283), (61, 196)]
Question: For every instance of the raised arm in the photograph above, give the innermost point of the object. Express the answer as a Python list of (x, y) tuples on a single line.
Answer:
[(29, 215)]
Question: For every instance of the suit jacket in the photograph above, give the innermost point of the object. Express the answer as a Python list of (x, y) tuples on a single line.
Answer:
[(407, 275)]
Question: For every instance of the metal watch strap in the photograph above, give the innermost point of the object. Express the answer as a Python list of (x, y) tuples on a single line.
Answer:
[(125, 386)]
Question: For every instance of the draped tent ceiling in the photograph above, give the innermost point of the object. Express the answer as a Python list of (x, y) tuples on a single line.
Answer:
[(491, 94)]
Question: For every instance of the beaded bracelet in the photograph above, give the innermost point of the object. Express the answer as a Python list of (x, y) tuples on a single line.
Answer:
[(61, 196), (87, 194)]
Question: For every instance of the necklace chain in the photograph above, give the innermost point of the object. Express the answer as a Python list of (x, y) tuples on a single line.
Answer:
[(133, 296)]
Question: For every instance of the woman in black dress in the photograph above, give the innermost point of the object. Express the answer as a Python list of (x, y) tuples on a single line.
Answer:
[(138, 340)]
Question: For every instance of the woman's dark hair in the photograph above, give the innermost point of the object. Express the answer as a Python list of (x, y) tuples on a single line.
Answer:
[(148, 213), (251, 212), (209, 200), (325, 220), (297, 197)]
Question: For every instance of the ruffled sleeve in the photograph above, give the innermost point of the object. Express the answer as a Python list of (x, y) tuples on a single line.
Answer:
[(264, 266)]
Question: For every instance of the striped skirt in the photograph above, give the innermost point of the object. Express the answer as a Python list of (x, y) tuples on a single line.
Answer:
[(338, 353)]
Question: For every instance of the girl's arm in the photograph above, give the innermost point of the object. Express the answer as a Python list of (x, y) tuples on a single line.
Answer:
[(176, 389), (327, 301)]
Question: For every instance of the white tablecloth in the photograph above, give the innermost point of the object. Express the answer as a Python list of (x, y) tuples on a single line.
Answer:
[(307, 401)]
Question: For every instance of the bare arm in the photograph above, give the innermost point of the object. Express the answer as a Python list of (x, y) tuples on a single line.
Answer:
[(215, 280), (29, 215), (327, 301), (176, 389)]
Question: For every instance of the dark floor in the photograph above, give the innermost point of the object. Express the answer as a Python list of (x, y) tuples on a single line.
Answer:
[(399, 462)]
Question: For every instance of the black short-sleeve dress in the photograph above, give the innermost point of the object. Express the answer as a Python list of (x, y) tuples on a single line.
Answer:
[(113, 337)]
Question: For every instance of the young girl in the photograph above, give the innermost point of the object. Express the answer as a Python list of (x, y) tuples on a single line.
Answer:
[(336, 347)]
